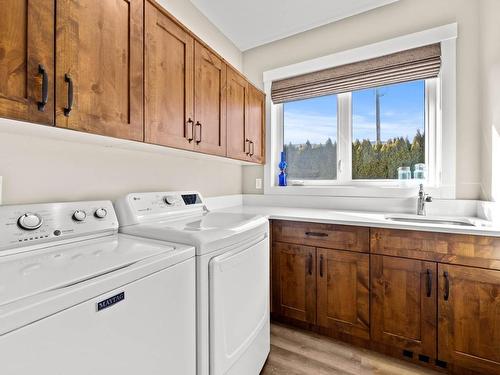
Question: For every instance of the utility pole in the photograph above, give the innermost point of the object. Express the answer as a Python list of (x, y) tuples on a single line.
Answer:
[(378, 95)]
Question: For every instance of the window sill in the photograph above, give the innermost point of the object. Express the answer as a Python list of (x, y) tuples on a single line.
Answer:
[(388, 191)]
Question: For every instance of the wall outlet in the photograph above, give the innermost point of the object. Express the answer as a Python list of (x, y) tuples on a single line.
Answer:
[(258, 183)]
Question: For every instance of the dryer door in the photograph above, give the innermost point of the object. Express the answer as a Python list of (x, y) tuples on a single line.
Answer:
[(239, 307)]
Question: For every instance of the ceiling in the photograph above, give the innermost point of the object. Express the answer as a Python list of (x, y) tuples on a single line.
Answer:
[(252, 23)]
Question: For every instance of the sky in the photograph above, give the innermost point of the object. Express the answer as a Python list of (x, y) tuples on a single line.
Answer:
[(401, 107)]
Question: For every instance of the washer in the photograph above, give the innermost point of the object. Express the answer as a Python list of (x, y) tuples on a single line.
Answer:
[(78, 298), (232, 274)]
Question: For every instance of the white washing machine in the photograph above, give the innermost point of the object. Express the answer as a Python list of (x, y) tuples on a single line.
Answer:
[(78, 298), (232, 274)]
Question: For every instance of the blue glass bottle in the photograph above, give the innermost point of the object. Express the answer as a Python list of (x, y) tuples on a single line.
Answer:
[(282, 166)]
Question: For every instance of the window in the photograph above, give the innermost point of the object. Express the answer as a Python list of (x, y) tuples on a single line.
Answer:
[(310, 138), (364, 135), (415, 76), (388, 130)]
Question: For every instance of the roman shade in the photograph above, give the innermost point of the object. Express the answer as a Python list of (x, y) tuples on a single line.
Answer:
[(413, 64)]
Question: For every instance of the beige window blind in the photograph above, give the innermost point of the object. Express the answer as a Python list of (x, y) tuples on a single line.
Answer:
[(413, 64)]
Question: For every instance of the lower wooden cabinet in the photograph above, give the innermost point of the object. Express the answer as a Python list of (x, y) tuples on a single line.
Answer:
[(438, 314), (294, 281), (320, 286), (343, 289), (469, 318), (404, 304)]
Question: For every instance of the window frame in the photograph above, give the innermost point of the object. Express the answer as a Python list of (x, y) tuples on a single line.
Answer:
[(344, 142), (440, 123)]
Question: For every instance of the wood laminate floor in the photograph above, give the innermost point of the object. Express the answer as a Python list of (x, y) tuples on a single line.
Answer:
[(297, 352)]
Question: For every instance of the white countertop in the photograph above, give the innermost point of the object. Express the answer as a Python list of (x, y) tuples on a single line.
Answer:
[(367, 219)]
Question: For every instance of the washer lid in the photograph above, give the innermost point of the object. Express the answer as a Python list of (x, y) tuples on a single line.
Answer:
[(35, 272), (208, 232)]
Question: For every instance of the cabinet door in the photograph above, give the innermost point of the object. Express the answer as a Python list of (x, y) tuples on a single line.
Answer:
[(99, 52), (255, 124), (469, 317), (294, 281), (169, 64), (26, 54), (344, 292), (209, 101), (403, 304), (237, 95)]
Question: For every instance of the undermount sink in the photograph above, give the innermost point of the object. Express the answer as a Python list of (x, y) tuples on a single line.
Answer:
[(436, 220)]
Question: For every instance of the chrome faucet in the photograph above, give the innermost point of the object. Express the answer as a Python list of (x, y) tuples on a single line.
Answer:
[(422, 200)]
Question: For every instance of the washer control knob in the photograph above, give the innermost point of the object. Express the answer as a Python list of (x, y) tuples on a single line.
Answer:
[(100, 213), (79, 215), (169, 200), (29, 221)]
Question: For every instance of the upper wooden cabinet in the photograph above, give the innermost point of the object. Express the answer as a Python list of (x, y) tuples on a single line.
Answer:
[(237, 105), (245, 119), (343, 292), (469, 318), (254, 126), (168, 82), (294, 281), (27, 60), (125, 69), (99, 70), (209, 101), (403, 304)]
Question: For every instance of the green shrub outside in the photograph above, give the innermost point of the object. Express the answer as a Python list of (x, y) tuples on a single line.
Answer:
[(369, 160)]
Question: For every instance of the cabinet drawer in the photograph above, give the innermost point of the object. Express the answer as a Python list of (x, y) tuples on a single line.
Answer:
[(469, 250), (340, 237)]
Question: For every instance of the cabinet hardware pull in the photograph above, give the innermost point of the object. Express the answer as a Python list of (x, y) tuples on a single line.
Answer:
[(446, 286), (429, 282), (321, 266), (69, 81), (247, 142), (316, 234), (45, 88), (309, 264), (190, 138), (198, 124), (252, 149)]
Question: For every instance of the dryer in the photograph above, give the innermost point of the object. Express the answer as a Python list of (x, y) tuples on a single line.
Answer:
[(232, 274)]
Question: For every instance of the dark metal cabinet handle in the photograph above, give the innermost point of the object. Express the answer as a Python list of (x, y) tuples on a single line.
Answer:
[(446, 286), (429, 282), (321, 266), (247, 142), (317, 234), (190, 138), (69, 81), (198, 125), (45, 88), (252, 149), (310, 264)]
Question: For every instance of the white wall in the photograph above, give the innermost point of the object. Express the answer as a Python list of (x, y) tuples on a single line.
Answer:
[(42, 169), (200, 25), (37, 168), (490, 98), (400, 18)]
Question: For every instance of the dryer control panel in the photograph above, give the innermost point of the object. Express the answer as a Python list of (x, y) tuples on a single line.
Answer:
[(33, 224), (135, 208)]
